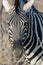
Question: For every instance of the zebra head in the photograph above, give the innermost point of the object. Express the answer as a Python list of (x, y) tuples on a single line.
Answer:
[(17, 4), (22, 4)]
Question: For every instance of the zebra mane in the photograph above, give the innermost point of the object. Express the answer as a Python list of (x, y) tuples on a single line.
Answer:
[(18, 4), (23, 5)]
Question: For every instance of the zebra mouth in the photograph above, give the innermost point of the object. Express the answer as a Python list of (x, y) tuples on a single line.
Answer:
[(17, 53)]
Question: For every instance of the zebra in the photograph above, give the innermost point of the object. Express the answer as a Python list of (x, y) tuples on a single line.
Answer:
[(34, 41), (30, 35)]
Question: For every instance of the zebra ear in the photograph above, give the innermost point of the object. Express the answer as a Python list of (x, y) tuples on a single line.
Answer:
[(6, 5), (28, 5)]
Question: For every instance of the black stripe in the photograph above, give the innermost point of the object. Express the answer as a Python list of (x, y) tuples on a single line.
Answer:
[(38, 27), (39, 58), (36, 54)]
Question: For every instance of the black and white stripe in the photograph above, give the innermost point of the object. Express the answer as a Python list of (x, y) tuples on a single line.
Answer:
[(33, 44), (27, 28), (17, 22)]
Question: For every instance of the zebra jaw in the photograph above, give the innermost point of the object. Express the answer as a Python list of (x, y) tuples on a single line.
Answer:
[(28, 5), (7, 5)]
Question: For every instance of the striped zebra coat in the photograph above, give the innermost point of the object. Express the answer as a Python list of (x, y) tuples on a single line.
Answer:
[(27, 30), (33, 44)]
